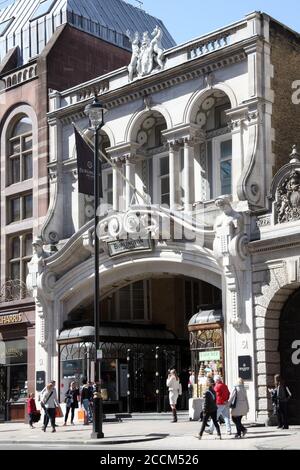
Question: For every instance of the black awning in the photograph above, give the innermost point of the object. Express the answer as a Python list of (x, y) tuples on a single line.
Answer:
[(116, 333), (207, 316)]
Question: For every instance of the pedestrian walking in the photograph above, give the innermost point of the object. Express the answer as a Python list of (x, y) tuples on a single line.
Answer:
[(49, 402), (209, 408), (174, 387), (31, 409), (222, 397), (86, 397), (71, 399), (280, 396), (239, 405)]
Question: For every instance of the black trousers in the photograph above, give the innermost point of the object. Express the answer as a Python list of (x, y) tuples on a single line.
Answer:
[(49, 415), (31, 418), (68, 408), (238, 423), (206, 417), (282, 414)]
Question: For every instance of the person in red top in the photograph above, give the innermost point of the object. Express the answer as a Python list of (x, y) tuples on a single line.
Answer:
[(222, 397), (31, 409)]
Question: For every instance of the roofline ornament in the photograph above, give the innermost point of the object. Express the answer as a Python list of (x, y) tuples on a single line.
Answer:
[(147, 54)]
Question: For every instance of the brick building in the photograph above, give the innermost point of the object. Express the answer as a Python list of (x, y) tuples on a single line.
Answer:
[(44, 45)]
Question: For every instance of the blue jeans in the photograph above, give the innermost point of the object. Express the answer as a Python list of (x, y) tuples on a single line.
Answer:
[(224, 411), (87, 408)]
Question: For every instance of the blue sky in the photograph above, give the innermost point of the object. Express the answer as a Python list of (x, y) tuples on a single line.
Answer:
[(187, 19)]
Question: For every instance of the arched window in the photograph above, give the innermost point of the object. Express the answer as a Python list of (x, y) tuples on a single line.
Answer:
[(20, 151)]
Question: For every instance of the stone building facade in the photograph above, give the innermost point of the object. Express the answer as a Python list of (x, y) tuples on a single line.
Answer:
[(43, 46), (202, 137)]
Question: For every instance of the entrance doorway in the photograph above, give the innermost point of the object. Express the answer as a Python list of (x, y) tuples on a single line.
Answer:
[(289, 347)]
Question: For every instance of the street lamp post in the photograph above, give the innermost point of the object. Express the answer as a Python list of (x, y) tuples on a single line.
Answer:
[(95, 112)]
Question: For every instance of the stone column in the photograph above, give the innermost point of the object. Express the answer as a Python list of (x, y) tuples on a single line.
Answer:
[(116, 184), (130, 177), (188, 182), (174, 174)]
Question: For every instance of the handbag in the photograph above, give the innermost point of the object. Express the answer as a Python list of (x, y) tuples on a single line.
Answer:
[(234, 399), (58, 412), (36, 416)]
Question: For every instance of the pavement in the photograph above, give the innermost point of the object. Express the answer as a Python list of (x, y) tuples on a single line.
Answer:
[(147, 431)]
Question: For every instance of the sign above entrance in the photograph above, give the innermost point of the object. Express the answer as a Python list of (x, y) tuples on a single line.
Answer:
[(120, 247), (209, 356), (11, 319)]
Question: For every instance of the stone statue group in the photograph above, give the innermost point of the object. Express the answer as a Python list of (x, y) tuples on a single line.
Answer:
[(146, 54)]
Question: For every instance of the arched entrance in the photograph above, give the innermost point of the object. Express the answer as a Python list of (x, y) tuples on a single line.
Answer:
[(289, 348), (143, 333)]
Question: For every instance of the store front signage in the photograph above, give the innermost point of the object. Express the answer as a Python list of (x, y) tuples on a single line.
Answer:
[(209, 356), (40, 380), (11, 319), (245, 368), (120, 247)]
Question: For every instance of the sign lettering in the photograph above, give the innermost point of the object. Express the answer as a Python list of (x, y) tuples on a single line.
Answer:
[(119, 247), (11, 319)]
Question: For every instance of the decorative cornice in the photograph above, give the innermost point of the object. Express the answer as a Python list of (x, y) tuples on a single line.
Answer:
[(189, 70), (277, 243)]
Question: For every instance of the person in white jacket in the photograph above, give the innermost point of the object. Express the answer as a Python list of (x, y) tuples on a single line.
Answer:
[(49, 402), (174, 391)]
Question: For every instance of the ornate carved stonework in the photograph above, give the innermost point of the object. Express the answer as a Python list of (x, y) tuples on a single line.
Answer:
[(230, 249), (147, 54), (288, 198)]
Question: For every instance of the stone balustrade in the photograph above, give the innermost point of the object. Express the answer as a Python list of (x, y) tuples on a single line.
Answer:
[(212, 44), (21, 76)]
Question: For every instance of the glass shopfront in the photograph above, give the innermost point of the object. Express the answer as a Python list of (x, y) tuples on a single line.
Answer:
[(206, 345), (136, 358), (13, 363)]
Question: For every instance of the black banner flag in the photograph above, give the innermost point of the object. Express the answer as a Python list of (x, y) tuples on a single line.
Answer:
[(85, 167)]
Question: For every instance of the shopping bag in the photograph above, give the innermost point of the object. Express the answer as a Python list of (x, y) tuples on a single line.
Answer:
[(81, 414), (58, 412)]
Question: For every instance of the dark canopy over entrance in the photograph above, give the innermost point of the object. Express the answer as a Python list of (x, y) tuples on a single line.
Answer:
[(135, 359), (289, 347)]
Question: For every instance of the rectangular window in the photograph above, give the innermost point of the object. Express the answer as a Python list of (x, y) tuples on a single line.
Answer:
[(20, 208), (43, 8), (109, 188), (19, 255), (225, 166), (164, 181), (131, 302), (4, 25)]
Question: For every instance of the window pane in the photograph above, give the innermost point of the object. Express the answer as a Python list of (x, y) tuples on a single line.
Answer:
[(28, 245), (138, 300), (15, 214), (226, 149), (164, 166), (15, 147), (125, 308), (165, 199), (15, 270), (165, 186), (226, 177), (27, 166), (43, 8), (27, 206), (110, 197), (15, 248), (14, 170), (23, 126), (27, 143), (109, 181)]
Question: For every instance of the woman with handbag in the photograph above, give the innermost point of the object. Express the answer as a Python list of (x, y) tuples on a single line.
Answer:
[(49, 402), (71, 398), (238, 402), (31, 409)]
